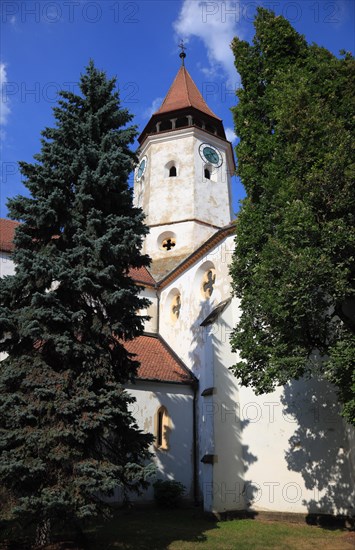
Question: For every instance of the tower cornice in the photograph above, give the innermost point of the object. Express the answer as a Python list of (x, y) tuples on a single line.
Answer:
[(180, 133)]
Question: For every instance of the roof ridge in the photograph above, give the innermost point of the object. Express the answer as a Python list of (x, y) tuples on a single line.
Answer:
[(176, 357), (212, 241), (185, 73)]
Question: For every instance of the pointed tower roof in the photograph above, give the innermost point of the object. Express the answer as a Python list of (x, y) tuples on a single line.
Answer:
[(183, 93), (183, 106)]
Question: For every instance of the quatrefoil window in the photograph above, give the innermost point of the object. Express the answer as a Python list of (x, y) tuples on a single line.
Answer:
[(168, 244), (208, 283)]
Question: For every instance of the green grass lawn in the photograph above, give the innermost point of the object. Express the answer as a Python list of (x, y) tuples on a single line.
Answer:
[(190, 529), (187, 529)]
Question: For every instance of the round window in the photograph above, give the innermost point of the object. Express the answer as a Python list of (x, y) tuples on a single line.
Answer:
[(167, 241)]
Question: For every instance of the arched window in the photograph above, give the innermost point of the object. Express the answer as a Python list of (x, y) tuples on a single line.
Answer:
[(207, 174), (162, 429), (171, 168), (172, 172), (175, 307)]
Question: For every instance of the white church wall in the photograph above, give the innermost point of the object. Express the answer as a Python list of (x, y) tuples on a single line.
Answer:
[(298, 450), (206, 433), (291, 443), (152, 310), (175, 463), (184, 234), (7, 266), (191, 342), (285, 451), (185, 335), (230, 452), (350, 431)]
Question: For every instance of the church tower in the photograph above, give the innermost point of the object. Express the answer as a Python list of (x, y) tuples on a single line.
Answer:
[(183, 177)]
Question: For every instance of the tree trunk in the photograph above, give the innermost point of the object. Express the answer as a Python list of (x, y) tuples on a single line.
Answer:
[(43, 533)]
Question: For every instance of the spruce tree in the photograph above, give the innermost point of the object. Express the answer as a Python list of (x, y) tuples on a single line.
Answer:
[(67, 433), (294, 262)]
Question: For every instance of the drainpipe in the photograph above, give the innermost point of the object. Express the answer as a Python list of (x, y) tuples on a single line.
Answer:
[(158, 307), (195, 445)]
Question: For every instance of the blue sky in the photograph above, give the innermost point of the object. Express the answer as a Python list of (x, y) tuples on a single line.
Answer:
[(46, 45)]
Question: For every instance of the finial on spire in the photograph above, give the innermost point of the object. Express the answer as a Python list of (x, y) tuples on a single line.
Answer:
[(182, 54)]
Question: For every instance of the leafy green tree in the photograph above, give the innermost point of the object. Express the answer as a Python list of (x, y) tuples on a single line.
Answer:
[(67, 433), (294, 262)]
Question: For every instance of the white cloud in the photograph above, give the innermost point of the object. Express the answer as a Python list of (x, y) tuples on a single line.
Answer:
[(4, 100), (230, 135), (153, 107), (215, 24)]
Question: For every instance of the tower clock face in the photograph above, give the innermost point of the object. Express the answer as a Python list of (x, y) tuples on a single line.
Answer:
[(141, 168), (210, 154)]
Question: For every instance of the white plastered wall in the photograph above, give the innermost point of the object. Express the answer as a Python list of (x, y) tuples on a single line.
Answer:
[(175, 463), (186, 336), (187, 236), (228, 469), (169, 201), (7, 266), (285, 451), (292, 444), (193, 343), (152, 310)]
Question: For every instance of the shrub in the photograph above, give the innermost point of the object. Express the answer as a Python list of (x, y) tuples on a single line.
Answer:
[(168, 493)]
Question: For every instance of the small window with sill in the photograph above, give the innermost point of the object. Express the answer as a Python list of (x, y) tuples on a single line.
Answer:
[(171, 168)]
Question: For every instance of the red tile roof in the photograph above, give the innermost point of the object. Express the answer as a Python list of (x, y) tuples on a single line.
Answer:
[(157, 361), (142, 275), (7, 233), (184, 93)]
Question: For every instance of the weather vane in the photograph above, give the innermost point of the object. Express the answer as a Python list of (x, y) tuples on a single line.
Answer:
[(182, 54)]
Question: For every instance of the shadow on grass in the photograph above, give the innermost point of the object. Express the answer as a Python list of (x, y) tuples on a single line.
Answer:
[(327, 521), (188, 528), (66, 536), (140, 529)]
